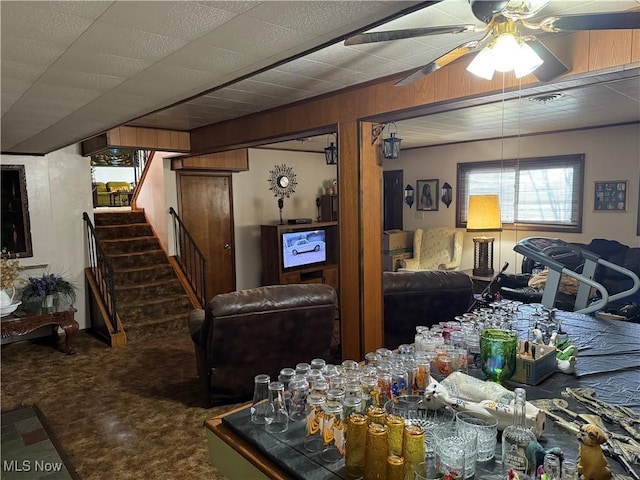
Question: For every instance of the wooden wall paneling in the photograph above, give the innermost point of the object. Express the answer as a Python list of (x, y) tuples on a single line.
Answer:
[(137, 137), (349, 234), (635, 46), (607, 48), (232, 160), (352, 104), (128, 136), (371, 239)]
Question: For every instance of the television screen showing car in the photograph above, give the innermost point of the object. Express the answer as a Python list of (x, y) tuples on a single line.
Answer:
[(303, 248)]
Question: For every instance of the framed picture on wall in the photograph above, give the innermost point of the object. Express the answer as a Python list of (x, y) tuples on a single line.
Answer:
[(427, 193), (16, 227), (610, 196)]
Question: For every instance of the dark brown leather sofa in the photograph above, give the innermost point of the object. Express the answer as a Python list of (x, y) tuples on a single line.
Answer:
[(261, 330), (422, 298)]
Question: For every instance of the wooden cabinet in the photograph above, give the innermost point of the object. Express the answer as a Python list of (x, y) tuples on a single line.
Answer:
[(279, 260), (329, 208)]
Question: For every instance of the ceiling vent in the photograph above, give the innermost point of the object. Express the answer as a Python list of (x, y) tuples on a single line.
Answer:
[(546, 97)]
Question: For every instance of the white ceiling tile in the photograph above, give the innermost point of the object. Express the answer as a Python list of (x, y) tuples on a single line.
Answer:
[(233, 6), (254, 37), (91, 10), (26, 21), (111, 39), (69, 78), (185, 20), (163, 82), (78, 60), (315, 18), (32, 52), (202, 56)]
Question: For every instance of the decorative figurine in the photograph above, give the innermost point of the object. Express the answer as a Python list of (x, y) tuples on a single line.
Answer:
[(591, 462)]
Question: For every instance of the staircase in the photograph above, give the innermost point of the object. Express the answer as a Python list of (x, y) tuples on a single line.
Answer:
[(149, 296)]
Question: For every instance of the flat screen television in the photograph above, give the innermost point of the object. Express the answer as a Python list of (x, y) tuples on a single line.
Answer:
[(303, 247)]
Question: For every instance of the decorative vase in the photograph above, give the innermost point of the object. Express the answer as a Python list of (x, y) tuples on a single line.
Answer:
[(47, 302), (6, 296)]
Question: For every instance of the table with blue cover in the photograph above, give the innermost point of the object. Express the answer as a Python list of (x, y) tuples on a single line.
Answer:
[(608, 362)]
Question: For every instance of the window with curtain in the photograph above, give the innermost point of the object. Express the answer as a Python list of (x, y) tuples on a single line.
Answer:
[(535, 193)]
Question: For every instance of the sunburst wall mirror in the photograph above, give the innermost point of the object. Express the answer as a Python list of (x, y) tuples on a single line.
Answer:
[(282, 182)]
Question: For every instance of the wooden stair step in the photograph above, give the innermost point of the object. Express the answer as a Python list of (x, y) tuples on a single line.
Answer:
[(130, 245), (126, 294), (137, 259), (152, 273), (151, 327), (119, 218), (113, 232), (153, 307)]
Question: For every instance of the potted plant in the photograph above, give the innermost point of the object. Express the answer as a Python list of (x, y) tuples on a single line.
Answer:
[(47, 287)]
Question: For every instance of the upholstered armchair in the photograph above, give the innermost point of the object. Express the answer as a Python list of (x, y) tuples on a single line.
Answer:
[(260, 330), (438, 248)]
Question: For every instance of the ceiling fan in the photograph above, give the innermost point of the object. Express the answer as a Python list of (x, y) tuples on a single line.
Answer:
[(508, 35)]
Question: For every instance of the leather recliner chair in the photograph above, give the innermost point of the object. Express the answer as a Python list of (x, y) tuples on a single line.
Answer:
[(426, 297), (261, 330)]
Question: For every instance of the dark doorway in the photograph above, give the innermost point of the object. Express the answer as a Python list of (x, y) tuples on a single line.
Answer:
[(393, 192)]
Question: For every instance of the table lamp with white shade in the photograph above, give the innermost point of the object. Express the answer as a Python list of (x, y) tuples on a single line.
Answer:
[(483, 215)]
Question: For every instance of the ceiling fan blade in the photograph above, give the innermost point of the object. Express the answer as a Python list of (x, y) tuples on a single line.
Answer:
[(440, 62), (551, 67), (596, 21), (407, 33)]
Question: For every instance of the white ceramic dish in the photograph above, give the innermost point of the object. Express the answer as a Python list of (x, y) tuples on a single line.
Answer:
[(4, 311)]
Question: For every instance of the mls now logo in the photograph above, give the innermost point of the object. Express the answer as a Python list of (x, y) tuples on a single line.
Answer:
[(28, 466)]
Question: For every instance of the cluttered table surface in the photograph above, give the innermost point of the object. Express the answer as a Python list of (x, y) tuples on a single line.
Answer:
[(608, 364)]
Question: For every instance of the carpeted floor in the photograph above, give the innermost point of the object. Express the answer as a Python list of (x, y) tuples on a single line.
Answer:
[(126, 413)]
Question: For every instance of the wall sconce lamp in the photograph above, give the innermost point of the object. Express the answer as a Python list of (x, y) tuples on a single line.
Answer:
[(331, 153), (408, 195), (391, 144), (447, 194), (483, 215)]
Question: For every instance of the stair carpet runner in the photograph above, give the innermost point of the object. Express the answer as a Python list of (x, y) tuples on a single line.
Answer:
[(150, 298)]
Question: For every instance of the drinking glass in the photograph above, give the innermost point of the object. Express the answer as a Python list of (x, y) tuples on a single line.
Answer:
[(456, 451), (427, 470), (498, 353), (260, 403), (450, 452), (486, 427)]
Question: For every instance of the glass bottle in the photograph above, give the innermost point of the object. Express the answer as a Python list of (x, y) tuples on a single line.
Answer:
[(515, 440), (260, 398), (277, 417)]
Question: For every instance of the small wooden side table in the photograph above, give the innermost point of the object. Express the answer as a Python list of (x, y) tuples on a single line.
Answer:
[(21, 323)]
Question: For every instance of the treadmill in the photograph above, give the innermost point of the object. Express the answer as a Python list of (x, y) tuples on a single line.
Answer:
[(549, 252)]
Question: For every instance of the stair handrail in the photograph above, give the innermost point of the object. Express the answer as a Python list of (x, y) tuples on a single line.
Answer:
[(101, 271), (141, 162), (190, 258)]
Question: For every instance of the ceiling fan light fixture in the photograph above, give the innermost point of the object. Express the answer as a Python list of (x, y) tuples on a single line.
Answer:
[(482, 65), (507, 52), (526, 61)]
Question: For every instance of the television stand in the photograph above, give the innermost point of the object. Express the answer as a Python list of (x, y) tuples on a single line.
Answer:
[(273, 272)]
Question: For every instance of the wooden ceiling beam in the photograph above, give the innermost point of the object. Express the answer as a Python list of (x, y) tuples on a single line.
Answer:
[(138, 138)]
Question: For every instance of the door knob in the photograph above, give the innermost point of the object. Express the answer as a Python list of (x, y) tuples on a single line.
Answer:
[(227, 246)]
